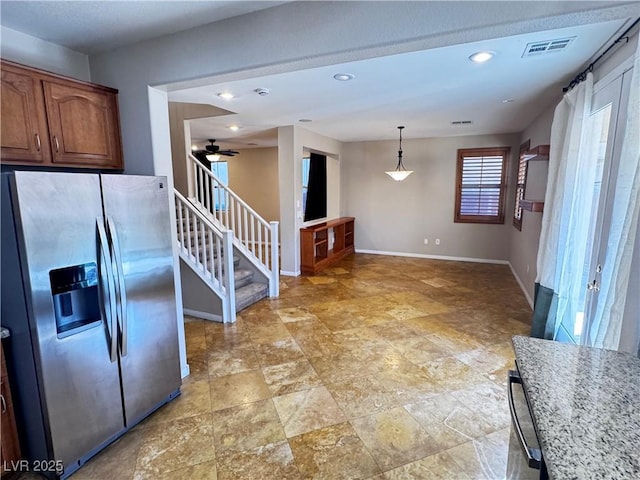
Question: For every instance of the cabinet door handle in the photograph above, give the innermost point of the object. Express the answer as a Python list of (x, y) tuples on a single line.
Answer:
[(4, 404), (38, 145), (55, 139)]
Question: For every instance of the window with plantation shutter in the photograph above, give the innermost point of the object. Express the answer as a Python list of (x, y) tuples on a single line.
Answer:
[(520, 185), (481, 185)]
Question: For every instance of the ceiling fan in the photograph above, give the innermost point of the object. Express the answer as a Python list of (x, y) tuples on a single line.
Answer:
[(211, 150)]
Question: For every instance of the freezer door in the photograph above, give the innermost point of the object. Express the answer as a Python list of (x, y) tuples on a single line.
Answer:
[(137, 212), (55, 217)]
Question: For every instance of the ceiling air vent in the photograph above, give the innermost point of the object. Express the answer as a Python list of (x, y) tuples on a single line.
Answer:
[(548, 46), (462, 122)]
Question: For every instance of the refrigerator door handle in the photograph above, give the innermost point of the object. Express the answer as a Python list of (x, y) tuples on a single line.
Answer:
[(111, 318), (121, 288), (534, 456)]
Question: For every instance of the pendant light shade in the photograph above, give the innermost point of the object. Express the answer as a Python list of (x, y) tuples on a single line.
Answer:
[(400, 173)]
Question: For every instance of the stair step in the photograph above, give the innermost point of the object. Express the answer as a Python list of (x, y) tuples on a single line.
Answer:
[(242, 277), (250, 294)]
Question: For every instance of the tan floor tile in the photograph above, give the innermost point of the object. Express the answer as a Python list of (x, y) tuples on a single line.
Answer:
[(320, 345), (488, 400), (118, 460), (268, 332), (290, 377), (394, 437), (485, 360), (175, 445), (280, 351), (332, 453), (341, 367), (419, 349), (438, 282), (436, 467), (295, 314), (202, 471), (484, 458), (341, 321), (230, 361), (452, 374), (405, 312), (362, 396), (237, 389), (198, 368), (195, 399), (274, 461), (395, 330), (225, 336), (375, 365), (321, 280), (408, 383), (307, 410), (448, 421), (247, 426)]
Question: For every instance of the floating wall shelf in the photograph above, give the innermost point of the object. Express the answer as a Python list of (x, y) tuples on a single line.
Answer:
[(539, 153), (532, 205)]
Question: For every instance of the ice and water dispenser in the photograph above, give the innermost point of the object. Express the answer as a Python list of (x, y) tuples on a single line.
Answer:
[(75, 298)]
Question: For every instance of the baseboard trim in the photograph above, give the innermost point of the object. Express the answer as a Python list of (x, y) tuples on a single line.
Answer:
[(203, 315), (185, 371), (435, 257), (522, 286), (290, 274)]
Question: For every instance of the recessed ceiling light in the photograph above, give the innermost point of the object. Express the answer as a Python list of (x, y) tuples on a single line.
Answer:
[(481, 57), (226, 95), (508, 100), (344, 77), (305, 120), (194, 148), (234, 128)]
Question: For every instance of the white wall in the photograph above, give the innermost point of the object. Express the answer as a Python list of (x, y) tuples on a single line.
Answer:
[(21, 48), (278, 39), (178, 113), (293, 141), (523, 247), (397, 216), (253, 174)]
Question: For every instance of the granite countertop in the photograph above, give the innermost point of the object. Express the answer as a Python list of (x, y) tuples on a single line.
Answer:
[(585, 404)]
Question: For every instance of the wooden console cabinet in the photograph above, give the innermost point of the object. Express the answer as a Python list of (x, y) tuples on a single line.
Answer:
[(53, 121), (315, 251), (9, 443)]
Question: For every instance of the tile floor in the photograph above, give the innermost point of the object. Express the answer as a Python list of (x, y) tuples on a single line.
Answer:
[(380, 368)]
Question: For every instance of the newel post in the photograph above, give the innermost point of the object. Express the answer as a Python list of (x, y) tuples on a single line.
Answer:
[(274, 281), (229, 278)]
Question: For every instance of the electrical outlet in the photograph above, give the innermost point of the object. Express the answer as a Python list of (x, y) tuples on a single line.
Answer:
[(437, 241), (527, 268), (426, 241)]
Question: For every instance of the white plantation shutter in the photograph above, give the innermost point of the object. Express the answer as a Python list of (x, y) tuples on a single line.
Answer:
[(520, 185), (481, 185)]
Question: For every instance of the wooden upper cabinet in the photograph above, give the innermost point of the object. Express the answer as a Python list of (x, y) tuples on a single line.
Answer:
[(53, 121), (82, 122), (23, 125)]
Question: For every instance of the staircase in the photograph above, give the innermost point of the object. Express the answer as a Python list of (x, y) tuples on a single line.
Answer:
[(211, 248)]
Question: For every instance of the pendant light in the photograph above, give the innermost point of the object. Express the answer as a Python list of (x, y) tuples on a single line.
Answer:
[(400, 173)]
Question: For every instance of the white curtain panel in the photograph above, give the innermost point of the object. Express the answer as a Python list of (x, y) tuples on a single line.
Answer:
[(564, 223), (607, 323)]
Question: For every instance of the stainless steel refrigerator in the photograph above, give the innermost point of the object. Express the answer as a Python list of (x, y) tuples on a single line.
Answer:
[(88, 294)]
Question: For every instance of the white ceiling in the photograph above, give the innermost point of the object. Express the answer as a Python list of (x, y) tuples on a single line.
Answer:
[(96, 26), (424, 91)]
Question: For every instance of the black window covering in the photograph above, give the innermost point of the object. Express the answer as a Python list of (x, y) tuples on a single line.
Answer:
[(317, 190)]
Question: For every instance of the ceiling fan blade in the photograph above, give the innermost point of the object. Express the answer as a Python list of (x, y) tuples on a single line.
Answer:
[(228, 153)]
